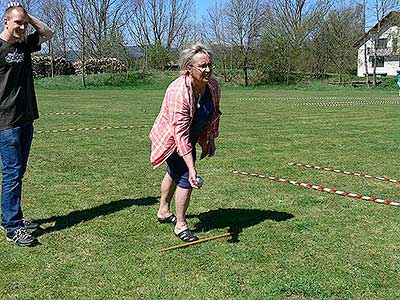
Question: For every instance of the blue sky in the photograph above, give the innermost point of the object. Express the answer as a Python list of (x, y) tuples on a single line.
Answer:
[(202, 6)]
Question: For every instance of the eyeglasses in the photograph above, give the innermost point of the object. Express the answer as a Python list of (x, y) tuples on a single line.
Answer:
[(203, 67)]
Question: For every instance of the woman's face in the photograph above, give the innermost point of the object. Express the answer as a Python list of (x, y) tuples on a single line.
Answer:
[(201, 68)]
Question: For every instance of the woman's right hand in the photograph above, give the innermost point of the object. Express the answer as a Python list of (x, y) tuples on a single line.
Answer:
[(193, 177), (188, 158)]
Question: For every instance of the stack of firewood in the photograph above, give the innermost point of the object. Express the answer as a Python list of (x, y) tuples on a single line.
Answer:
[(42, 66), (103, 65)]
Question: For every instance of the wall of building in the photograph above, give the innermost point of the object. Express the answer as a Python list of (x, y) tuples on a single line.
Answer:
[(392, 57)]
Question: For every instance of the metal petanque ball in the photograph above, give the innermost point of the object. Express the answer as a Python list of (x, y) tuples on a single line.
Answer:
[(199, 181)]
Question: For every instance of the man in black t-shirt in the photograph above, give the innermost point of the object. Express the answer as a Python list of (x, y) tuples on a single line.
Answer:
[(18, 110)]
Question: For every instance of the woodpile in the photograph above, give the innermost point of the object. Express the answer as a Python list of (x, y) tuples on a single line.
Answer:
[(102, 65), (42, 66)]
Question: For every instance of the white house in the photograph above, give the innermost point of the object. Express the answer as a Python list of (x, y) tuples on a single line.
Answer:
[(386, 35)]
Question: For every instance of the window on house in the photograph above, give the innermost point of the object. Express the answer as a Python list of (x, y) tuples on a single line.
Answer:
[(380, 61), (382, 44)]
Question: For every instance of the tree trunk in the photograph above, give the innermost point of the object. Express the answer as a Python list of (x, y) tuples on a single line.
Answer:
[(245, 70), (288, 71), (376, 39), (366, 66), (365, 45), (246, 76), (83, 59), (224, 72), (374, 72), (51, 52)]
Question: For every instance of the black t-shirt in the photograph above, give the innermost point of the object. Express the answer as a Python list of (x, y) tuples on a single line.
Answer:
[(17, 95)]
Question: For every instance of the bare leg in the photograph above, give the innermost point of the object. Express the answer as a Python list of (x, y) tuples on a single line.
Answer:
[(182, 198), (168, 187)]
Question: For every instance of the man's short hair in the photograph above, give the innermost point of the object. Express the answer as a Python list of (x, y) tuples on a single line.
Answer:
[(10, 10)]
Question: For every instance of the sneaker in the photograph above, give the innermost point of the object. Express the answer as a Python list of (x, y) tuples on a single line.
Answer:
[(21, 237), (29, 225)]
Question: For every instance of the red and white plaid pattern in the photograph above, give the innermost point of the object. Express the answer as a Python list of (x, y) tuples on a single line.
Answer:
[(170, 131)]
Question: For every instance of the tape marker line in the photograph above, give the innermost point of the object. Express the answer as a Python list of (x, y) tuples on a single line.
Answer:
[(319, 188), (58, 113), (316, 98), (351, 103), (344, 172), (89, 128)]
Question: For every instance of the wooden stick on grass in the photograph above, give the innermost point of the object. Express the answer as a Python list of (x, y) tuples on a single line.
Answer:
[(196, 242)]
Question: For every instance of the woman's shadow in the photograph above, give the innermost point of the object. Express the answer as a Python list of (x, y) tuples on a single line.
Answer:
[(236, 219), (79, 216)]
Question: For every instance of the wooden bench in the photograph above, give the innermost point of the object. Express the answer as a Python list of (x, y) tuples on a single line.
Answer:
[(362, 82), (377, 74)]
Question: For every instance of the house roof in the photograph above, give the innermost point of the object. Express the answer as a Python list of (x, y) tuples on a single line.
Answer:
[(383, 22)]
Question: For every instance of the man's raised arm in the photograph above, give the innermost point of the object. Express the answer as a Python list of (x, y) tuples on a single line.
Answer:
[(45, 32)]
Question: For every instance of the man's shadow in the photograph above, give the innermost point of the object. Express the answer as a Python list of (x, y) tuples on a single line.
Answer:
[(76, 217), (236, 219)]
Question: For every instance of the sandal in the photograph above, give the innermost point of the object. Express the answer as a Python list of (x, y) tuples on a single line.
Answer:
[(171, 219), (187, 236)]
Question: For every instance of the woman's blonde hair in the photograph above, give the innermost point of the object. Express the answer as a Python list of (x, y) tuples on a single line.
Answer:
[(186, 56)]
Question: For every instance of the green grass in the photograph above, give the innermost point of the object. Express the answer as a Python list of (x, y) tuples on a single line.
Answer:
[(96, 196), (157, 80), (133, 79)]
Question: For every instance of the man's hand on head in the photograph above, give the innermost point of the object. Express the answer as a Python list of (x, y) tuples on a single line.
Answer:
[(14, 4)]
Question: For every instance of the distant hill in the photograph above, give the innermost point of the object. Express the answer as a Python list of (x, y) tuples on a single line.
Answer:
[(133, 52)]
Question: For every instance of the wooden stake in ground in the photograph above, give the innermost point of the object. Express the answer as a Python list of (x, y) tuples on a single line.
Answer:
[(197, 242)]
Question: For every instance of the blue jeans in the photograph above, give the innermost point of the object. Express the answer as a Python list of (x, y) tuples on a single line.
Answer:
[(15, 144)]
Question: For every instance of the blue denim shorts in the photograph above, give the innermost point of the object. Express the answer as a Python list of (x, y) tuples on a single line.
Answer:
[(177, 169)]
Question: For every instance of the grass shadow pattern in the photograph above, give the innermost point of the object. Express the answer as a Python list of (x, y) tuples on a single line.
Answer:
[(76, 217), (236, 219)]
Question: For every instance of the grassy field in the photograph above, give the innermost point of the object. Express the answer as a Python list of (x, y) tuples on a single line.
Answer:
[(95, 195)]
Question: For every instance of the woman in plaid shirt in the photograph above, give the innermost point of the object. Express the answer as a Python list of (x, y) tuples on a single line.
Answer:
[(189, 114)]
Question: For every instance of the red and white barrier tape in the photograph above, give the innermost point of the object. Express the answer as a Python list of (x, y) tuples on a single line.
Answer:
[(318, 98), (88, 128), (349, 103), (319, 188), (344, 172), (58, 113)]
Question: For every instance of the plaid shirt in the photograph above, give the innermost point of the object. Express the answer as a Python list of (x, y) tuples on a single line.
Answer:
[(170, 131)]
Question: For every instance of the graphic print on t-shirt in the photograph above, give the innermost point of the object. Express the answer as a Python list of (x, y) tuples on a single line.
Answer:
[(14, 57)]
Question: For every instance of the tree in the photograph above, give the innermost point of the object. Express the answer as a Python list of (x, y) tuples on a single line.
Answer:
[(160, 25), (29, 5), (246, 22), (77, 27), (239, 26), (215, 31), (59, 15), (341, 28), (105, 19), (53, 13), (294, 24)]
